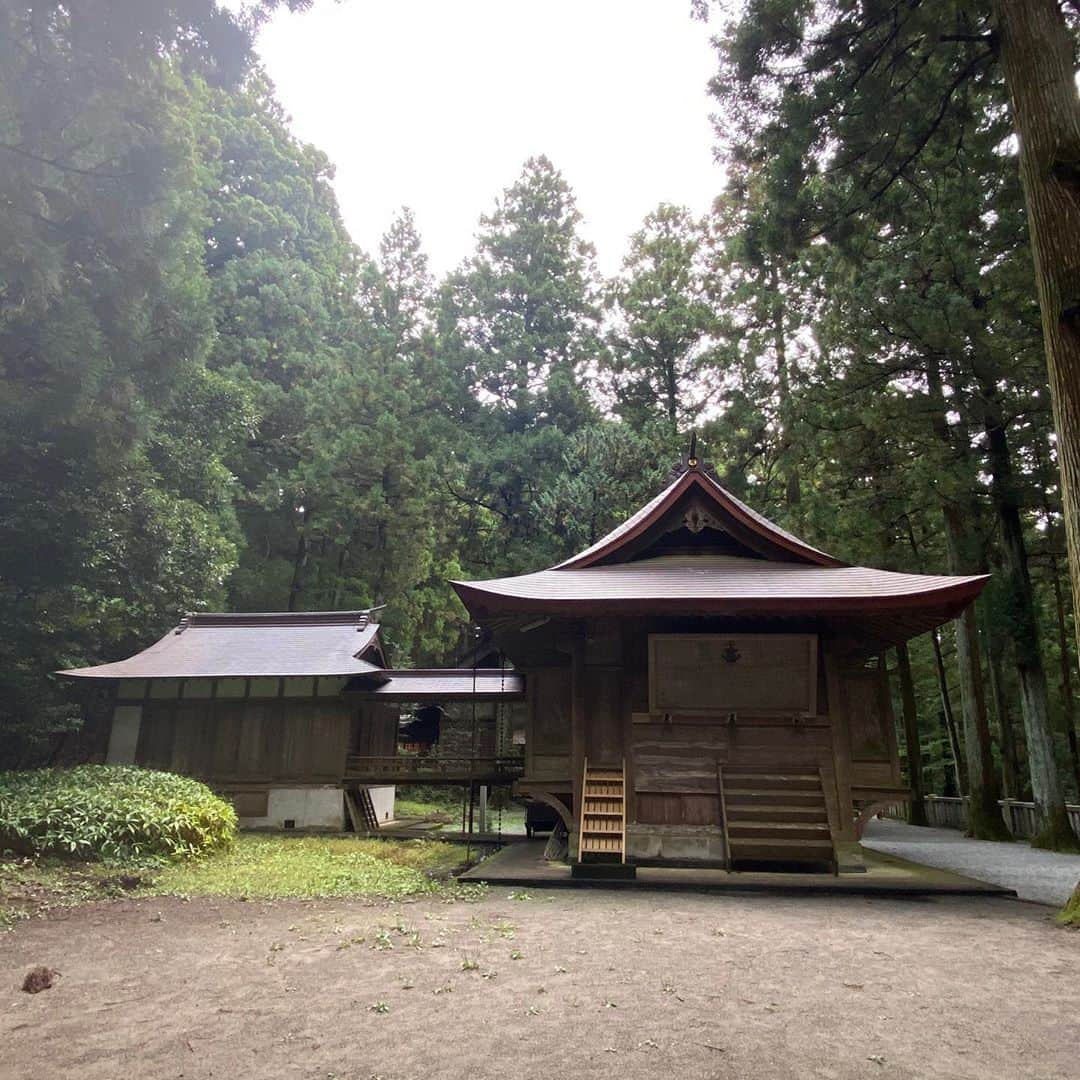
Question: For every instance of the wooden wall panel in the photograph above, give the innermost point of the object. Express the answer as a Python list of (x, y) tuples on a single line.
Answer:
[(867, 719), (154, 748), (674, 773), (253, 741), (550, 719), (714, 673), (666, 808), (603, 716)]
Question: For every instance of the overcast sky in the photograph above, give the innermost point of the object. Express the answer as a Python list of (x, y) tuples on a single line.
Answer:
[(435, 104)]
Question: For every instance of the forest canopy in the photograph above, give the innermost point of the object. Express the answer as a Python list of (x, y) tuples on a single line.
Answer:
[(210, 398)]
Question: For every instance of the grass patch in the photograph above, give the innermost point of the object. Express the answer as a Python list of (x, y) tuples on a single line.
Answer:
[(255, 867), (302, 866)]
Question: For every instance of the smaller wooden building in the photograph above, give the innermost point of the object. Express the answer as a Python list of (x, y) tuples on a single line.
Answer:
[(294, 716), (253, 704)]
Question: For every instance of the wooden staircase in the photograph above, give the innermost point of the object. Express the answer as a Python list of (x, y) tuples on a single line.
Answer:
[(602, 822), (775, 815), (361, 811)]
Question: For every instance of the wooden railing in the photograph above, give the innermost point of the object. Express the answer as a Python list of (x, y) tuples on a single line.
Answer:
[(950, 812), (404, 767)]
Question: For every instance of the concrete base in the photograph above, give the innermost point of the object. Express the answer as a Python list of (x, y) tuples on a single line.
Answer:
[(850, 858), (382, 799), (523, 864), (700, 845), (601, 872), (307, 808)]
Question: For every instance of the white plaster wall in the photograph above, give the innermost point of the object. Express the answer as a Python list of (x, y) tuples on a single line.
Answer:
[(124, 734), (382, 798), (311, 808)]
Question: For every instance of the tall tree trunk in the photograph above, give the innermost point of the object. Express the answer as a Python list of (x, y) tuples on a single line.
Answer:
[(984, 815), (1053, 820), (961, 517), (792, 489), (1010, 756), (917, 810), (1065, 661), (671, 392), (1037, 51), (300, 558), (1067, 699), (949, 718)]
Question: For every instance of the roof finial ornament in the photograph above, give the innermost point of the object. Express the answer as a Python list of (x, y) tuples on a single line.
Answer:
[(692, 462)]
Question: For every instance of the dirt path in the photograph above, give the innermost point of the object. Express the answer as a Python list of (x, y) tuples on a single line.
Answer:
[(570, 984)]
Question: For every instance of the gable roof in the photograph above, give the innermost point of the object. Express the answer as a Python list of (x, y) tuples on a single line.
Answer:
[(775, 575), (216, 645), (733, 513)]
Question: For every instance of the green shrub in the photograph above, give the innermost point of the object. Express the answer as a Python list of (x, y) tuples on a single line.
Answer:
[(113, 811)]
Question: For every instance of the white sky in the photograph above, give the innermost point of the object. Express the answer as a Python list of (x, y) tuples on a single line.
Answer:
[(436, 104)]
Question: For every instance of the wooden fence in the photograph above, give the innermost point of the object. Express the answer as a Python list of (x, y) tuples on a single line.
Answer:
[(949, 812)]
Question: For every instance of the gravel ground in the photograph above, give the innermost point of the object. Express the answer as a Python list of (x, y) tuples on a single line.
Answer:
[(1043, 876), (580, 984)]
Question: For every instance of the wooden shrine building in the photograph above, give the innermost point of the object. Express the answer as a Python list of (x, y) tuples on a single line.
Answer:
[(294, 716), (698, 687), (705, 687)]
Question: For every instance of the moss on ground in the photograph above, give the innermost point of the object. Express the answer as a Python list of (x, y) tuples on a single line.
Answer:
[(1070, 913)]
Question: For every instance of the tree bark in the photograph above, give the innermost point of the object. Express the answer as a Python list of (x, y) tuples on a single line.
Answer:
[(1037, 49), (1067, 699), (1011, 773), (917, 810), (984, 815), (300, 558), (1023, 626), (949, 718), (792, 487)]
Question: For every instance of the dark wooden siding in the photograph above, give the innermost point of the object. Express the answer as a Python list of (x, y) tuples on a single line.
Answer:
[(299, 740)]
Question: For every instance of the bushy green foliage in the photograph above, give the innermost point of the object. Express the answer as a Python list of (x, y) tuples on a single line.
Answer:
[(112, 811)]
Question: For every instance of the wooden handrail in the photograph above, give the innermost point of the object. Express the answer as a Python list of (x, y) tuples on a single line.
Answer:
[(723, 814), (832, 839), (623, 844)]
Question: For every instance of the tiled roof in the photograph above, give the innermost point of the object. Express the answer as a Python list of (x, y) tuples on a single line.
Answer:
[(439, 684), (723, 585), (266, 644)]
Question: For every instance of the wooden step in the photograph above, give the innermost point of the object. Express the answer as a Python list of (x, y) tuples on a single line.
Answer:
[(778, 830), (737, 778), (602, 820), (775, 815), (775, 812), (789, 797)]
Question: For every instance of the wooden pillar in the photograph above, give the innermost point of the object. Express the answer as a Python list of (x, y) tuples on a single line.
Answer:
[(482, 808), (917, 813), (577, 732), (841, 739)]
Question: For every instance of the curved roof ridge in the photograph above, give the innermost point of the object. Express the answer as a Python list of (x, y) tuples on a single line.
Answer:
[(656, 507)]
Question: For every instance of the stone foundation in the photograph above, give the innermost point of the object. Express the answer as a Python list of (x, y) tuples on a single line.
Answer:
[(675, 844)]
